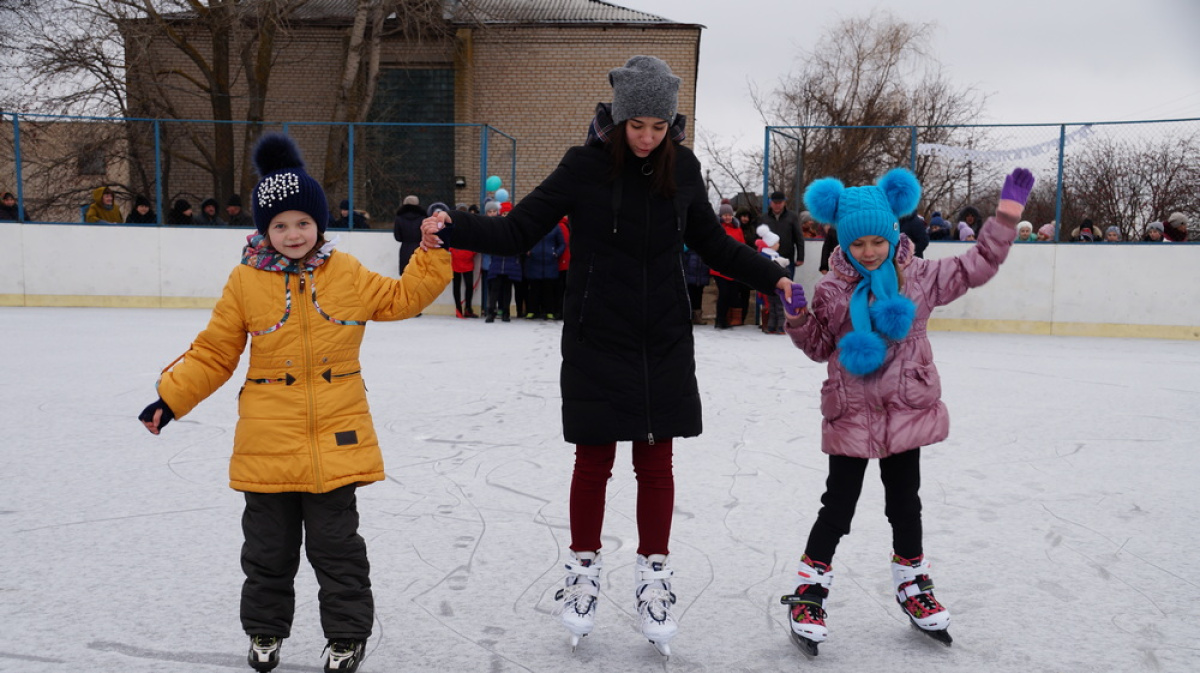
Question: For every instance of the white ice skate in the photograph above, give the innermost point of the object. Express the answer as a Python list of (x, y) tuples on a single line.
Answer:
[(264, 652), (579, 595), (655, 600), (806, 607), (914, 593)]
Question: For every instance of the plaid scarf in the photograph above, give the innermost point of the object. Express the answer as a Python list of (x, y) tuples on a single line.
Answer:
[(602, 126), (259, 254)]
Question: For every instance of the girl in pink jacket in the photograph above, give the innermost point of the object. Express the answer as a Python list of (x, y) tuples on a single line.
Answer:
[(883, 395)]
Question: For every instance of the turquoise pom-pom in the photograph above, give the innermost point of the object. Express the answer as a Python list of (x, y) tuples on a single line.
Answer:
[(821, 199), (901, 189), (862, 352), (893, 317)]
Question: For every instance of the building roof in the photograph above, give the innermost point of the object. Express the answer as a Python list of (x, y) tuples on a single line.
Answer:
[(492, 12)]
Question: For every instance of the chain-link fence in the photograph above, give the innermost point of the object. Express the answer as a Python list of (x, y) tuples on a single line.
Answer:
[(1126, 175), (52, 164)]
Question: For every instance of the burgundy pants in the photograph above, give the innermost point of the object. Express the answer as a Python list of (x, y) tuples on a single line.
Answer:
[(655, 494)]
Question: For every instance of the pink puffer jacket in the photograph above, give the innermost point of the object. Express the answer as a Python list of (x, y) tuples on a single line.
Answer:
[(898, 406)]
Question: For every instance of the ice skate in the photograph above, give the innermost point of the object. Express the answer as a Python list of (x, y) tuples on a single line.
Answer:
[(264, 652), (914, 593), (579, 595), (806, 607), (655, 600), (343, 655)]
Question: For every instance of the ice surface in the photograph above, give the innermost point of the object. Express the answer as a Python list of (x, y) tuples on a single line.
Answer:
[(1060, 515)]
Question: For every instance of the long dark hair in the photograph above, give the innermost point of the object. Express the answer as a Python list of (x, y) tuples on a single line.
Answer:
[(661, 160)]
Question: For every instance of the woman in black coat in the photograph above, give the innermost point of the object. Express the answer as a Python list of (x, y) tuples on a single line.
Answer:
[(634, 197)]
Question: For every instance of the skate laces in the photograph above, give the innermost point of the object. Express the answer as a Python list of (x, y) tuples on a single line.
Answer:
[(655, 597), (922, 603), (581, 588), (265, 643)]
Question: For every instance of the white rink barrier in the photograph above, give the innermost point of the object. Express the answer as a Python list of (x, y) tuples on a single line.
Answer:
[(1116, 289)]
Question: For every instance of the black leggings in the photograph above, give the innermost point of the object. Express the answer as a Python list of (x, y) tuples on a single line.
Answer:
[(463, 302), (901, 476)]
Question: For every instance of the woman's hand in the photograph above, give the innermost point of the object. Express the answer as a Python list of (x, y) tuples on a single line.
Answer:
[(430, 228)]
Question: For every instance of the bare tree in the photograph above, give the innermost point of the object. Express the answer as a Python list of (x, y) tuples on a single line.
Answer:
[(858, 94)]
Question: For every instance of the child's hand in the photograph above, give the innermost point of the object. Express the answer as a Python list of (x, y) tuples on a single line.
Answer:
[(1017, 186), (1014, 194), (793, 298), (156, 416)]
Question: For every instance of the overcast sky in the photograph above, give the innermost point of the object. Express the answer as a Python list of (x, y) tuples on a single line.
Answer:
[(1036, 60)]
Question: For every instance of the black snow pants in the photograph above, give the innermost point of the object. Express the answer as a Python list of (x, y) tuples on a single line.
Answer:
[(274, 524)]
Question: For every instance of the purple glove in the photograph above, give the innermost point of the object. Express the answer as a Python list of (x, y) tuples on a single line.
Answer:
[(793, 307), (1017, 186)]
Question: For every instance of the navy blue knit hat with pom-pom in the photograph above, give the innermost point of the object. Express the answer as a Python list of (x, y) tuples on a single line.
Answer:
[(285, 185), (878, 312)]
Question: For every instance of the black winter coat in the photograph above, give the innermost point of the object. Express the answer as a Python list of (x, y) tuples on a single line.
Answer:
[(407, 230), (629, 369)]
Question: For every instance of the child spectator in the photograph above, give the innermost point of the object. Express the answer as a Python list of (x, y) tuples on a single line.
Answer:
[(304, 440), (1025, 232), (697, 275), (503, 270), (882, 397), (768, 246), (142, 212), (1046, 232), (180, 213), (541, 273), (1154, 233), (1112, 234), (939, 229)]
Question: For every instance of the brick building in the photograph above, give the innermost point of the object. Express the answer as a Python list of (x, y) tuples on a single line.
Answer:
[(531, 69)]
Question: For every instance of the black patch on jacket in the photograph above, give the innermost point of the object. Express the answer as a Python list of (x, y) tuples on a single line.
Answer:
[(346, 438)]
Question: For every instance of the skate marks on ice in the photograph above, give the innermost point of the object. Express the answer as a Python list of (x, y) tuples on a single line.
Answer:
[(207, 659)]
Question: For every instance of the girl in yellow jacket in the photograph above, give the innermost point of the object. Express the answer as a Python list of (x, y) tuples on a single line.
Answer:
[(304, 440)]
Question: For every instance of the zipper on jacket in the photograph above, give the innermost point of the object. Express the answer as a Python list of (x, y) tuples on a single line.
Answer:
[(646, 323), (313, 444)]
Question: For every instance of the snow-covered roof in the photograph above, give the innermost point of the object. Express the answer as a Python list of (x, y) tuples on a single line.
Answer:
[(492, 12)]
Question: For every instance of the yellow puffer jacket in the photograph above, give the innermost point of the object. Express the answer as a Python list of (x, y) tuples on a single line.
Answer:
[(98, 213), (304, 424)]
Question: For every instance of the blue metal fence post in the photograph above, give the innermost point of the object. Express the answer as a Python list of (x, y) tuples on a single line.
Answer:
[(512, 171), (1058, 195), (17, 167), (158, 193), (762, 200), (350, 178), (912, 152), (483, 164)]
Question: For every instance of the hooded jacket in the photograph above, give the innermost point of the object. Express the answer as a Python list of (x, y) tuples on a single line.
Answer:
[(899, 406), (629, 367), (98, 213), (303, 421)]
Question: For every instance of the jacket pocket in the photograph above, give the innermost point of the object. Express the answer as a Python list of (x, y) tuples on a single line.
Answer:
[(833, 399), (920, 385)]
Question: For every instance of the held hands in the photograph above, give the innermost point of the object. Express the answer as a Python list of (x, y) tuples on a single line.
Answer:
[(156, 416), (1015, 193), (792, 295), (433, 231)]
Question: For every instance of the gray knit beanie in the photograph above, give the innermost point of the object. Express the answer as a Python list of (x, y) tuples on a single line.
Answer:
[(644, 87)]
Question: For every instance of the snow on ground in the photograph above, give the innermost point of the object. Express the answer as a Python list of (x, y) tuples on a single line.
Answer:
[(1060, 514)]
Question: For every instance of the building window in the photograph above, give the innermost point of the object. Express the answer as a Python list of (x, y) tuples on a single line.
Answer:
[(91, 161)]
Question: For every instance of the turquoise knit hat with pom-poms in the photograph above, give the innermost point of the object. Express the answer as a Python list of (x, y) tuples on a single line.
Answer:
[(873, 210)]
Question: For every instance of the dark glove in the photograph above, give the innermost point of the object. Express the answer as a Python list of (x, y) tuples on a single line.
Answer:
[(147, 415), (793, 307), (1017, 186)]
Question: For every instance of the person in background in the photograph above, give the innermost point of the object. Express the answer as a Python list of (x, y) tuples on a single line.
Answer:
[(462, 263), (304, 441), (1084, 233), (1112, 234), (697, 275), (1025, 232), (1046, 232), (502, 271), (1154, 233), (768, 246), (965, 232), (348, 220), (939, 228), (786, 225), (564, 264), (235, 215), (9, 212), (180, 213), (1175, 229), (827, 248), (969, 215), (208, 214), (141, 213), (729, 291), (407, 228), (808, 226), (104, 207), (541, 274), (882, 398), (913, 226)]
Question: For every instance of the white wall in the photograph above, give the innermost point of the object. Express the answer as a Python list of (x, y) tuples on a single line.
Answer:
[(1098, 289)]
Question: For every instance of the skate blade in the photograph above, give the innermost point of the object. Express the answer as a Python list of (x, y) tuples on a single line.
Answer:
[(942, 636), (807, 647), (663, 648), (575, 638)]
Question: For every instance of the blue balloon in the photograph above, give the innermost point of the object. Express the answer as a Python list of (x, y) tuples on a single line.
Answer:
[(501, 195), (493, 183)]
